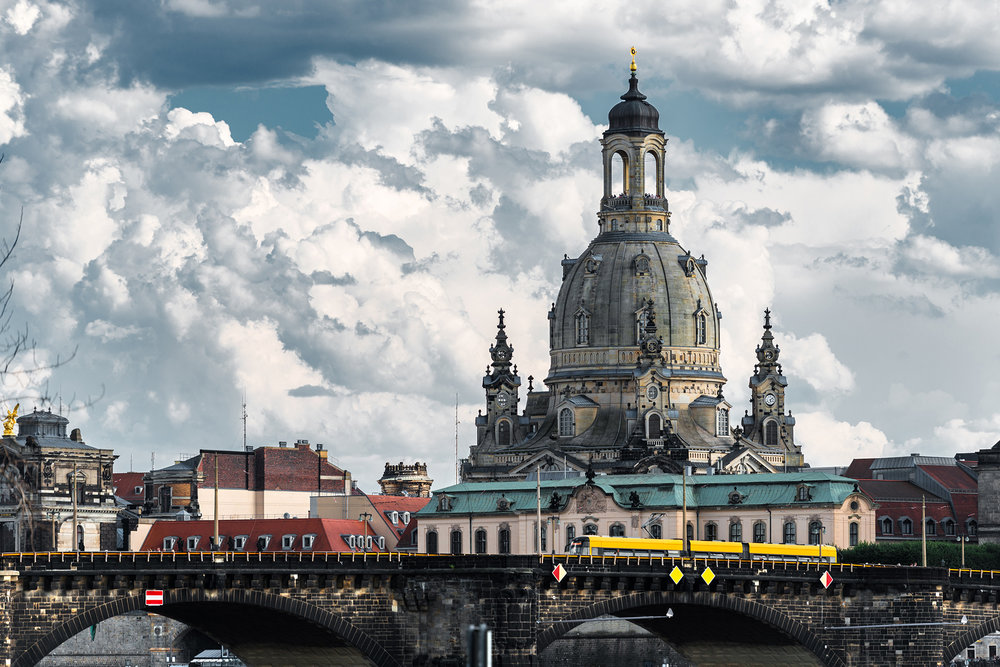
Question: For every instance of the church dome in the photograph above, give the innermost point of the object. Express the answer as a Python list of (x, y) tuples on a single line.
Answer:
[(633, 114), (597, 320)]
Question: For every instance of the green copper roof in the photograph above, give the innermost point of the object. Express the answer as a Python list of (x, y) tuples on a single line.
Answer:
[(654, 491)]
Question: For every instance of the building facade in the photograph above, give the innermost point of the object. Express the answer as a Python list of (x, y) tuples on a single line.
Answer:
[(261, 482), (406, 479), (791, 508), (56, 491), (634, 383)]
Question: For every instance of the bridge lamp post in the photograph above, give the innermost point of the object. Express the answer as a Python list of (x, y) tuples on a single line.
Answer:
[(962, 539)]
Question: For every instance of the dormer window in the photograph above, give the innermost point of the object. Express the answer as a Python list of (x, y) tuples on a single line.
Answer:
[(192, 542), (567, 426), (802, 493), (722, 422), (395, 518), (444, 503), (169, 543), (308, 541), (287, 541), (406, 518), (240, 542)]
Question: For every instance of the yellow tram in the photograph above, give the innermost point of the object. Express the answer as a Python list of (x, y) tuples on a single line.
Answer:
[(594, 545)]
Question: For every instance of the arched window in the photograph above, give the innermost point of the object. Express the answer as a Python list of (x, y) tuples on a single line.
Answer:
[(566, 422), (971, 527), (711, 531), (582, 328), (649, 173), (590, 529), (701, 325), (656, 530), (771, 433), (480, 540), (722, 422), (930, 527), (619, 173), (853, 536), (432, 542), (789, 532), (617, 530), (653, 426), (570, 533), (503, 541), (905, 527), (886, 526), (949, 527), (503, 433), (760, 532), (456, 543), (79, 538), (735, 531), (815, 532)]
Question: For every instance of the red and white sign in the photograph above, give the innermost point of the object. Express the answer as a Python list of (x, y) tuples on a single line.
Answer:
[(826, 579), (559, 572), (154, 598)]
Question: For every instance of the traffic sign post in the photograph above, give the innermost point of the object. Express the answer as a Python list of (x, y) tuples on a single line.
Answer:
[(154, 598)]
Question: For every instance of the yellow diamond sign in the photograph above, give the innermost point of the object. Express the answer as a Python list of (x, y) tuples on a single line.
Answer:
[(676, 575), (708, 576)]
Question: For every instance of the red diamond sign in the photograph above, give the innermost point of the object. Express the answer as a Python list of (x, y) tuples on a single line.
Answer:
[(154, 598), (559, 572), (826, 579)]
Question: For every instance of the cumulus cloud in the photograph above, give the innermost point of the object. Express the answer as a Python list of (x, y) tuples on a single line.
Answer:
[(349, 283)]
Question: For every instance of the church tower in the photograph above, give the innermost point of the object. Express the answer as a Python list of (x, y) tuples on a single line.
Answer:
[(769, 425), (499, 427), (634, 381)]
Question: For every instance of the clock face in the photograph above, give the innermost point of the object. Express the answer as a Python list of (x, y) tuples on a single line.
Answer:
[(652, 391), (501, 354), (503, 399), (769, 399), (768, 355)]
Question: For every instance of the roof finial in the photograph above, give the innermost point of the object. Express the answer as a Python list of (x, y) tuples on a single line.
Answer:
[(632, 67)]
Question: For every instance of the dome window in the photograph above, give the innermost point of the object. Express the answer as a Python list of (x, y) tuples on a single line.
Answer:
[(567, 425), (641, 265), (582, 327)]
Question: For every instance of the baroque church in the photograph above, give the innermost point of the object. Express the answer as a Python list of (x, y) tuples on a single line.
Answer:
[(634, 384)]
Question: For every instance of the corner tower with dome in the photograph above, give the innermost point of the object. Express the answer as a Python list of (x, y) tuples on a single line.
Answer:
[(634, 383)]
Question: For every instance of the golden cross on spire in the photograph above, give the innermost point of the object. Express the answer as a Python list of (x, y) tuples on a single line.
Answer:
[(633, 67)]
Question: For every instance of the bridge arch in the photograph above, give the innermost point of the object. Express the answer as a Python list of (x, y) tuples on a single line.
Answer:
[(268, 602), (769, 616), (966, 638)]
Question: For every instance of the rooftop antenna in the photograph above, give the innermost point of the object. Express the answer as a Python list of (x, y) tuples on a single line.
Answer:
[(244, 419), (456, 437)]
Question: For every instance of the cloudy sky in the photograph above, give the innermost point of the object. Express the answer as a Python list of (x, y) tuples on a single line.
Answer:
[(324, 204)]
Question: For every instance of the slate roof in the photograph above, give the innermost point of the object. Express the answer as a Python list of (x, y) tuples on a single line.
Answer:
[(953, 478)]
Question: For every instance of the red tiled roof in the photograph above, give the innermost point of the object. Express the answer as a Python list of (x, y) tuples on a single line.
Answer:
[(386, 505), (329, 533), (125, 484), (952, 478), (886, 490), (859, 469)]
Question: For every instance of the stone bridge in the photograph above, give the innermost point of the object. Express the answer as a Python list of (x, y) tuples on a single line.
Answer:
[(347, 609)]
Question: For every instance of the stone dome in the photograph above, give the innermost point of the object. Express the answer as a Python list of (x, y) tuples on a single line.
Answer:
[(609, 285), (634, 114)]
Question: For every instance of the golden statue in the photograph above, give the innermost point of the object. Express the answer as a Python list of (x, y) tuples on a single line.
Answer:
[(10, 421), (633, 67)]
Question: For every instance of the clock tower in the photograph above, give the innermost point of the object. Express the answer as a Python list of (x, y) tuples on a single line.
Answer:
[(769, 424), (501, 382)]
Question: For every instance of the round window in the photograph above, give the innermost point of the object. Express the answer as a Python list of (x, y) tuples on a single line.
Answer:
[(854, 505)]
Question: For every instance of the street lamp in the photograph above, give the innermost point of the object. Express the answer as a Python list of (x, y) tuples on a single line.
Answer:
[(962, 539)]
